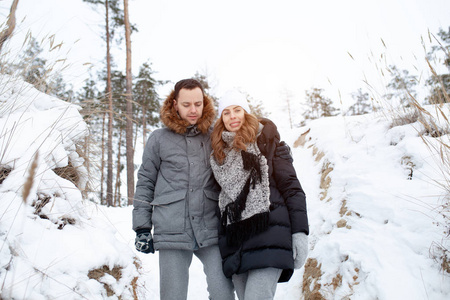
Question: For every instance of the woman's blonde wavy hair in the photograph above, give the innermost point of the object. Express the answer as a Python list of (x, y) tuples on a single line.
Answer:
[(245, 135)]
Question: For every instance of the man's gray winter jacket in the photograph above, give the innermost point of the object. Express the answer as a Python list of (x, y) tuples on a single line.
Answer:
[(176, 192)]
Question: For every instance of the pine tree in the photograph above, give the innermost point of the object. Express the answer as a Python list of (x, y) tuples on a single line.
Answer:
[(119, 90), (439, 84), (92, 108), (33, 66), (362, 105), (402, 86), (129, 114), (93, 113), (203, 79), (57, 87), (318, 105), (257, 107), (146, 98), (111, 23)]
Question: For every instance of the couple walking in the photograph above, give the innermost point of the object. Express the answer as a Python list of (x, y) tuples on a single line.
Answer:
[(228, 195)]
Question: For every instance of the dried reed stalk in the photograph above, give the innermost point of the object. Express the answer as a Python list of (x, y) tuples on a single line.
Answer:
[(29, 183)]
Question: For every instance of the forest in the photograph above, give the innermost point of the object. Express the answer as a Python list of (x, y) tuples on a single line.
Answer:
[(121, 107)]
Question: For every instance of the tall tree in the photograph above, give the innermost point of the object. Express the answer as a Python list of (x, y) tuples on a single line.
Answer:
[(288, 96), (146, 98), (109, 172), (129, 127), (109, 5)]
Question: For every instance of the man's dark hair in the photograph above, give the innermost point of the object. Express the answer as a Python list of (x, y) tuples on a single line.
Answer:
[(188, 84)]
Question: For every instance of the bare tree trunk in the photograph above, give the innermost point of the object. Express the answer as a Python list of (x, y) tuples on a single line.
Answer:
[(102, 164), (129, 114), (144, 123), (136, 130), (10, 24), (288, 100), (117, 188), (109, 175), (288, 96)]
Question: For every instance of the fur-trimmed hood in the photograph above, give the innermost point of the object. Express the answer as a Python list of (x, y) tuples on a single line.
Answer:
[(171, 119)]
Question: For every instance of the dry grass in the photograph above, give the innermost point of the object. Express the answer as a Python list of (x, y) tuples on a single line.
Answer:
[(436, 136), (311, 277), (327, 167), (301, 141), (29, 183), (441, 255), (325, 180), (70, 173), (42, 201), (344, 210), (4, 172), (98, 273), (116, 272), (433, 127)]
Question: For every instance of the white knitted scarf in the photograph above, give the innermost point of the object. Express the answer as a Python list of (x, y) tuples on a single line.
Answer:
[(244, 199)]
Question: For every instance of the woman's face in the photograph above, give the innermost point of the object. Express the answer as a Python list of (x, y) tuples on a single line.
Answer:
[(233, 117)]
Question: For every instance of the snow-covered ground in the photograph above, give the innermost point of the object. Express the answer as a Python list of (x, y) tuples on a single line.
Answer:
[(373, 198)]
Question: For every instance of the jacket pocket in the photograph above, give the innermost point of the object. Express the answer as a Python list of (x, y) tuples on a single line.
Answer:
[(210, 207), (169, 213)]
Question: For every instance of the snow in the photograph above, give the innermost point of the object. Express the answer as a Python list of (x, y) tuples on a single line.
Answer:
[(373, 224)]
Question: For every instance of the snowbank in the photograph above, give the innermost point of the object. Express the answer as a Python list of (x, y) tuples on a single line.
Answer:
[(373, 206), (53, 244)]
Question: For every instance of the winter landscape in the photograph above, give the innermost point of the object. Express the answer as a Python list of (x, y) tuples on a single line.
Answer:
[(376, 176), (377, 202)]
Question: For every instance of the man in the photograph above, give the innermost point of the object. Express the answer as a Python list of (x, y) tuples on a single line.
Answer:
[(177, 194)]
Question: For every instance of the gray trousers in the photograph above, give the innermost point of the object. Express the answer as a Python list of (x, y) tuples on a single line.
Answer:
[(258, 284), (174, 273)]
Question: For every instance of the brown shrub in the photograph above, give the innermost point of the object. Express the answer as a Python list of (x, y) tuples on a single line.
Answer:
[(312, 275)]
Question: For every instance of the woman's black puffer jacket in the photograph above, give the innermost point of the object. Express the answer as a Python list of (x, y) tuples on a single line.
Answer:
[(273, 247)]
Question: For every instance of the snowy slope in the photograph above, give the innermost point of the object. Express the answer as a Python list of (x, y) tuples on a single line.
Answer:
[(373, 222), (374, 203), (53, 243)]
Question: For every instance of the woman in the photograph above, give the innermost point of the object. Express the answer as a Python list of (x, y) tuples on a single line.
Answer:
[(264, 224)]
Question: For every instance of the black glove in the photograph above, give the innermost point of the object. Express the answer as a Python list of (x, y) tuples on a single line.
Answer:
[(283, 151), (144, 242)]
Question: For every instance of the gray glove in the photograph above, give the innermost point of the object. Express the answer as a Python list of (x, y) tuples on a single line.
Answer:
[(299, 248), (144, 242)]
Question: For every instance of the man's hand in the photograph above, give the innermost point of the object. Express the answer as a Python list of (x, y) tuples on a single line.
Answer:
[(283, 151), (144, 242)]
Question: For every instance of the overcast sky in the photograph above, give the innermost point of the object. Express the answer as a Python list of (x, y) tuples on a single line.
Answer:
[(263, 47)]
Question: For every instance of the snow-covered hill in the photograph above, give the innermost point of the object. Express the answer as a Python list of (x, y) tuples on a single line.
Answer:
[(52, 242), (375, 195)]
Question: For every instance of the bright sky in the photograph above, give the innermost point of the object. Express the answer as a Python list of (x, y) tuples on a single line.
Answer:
[(263, 47)]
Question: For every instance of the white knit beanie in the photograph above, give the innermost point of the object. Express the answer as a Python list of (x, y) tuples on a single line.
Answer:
[(233, 97)]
